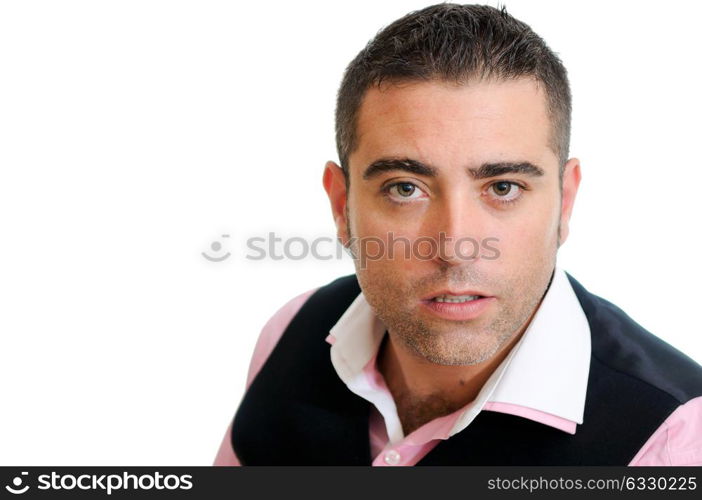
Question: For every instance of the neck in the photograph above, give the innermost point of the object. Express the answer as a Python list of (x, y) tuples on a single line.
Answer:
[(423, 390)]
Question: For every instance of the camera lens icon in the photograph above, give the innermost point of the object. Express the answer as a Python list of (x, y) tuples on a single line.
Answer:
[(216, 247), (16, 489)]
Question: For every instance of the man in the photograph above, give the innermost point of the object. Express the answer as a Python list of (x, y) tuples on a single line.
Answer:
[(459, 340)]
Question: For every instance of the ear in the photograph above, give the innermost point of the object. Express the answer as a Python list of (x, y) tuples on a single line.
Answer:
[(334, 183), (571, 181)]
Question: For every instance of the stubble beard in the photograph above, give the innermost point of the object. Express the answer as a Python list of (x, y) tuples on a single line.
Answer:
[(446, 342), (443, 342)]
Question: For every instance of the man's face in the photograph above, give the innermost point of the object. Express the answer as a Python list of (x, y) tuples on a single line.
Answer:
[(450, 164)]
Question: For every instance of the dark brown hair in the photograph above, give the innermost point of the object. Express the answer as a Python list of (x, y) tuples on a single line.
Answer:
[(457, 43)]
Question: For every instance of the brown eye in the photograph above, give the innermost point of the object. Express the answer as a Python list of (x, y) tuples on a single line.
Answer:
[(405, 189), (404, 192), (505, 191), (502, 188)]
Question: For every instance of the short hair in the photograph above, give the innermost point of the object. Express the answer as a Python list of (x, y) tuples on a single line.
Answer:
[(456, 43)]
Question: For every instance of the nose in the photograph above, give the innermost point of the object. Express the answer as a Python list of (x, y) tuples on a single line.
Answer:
[(458, 223)]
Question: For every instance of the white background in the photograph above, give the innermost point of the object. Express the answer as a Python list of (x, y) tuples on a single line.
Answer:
[(133, 134)]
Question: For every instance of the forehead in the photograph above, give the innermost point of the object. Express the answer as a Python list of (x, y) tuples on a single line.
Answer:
[(445, 123)]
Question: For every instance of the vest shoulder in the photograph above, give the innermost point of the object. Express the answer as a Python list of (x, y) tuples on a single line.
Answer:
[(326, 305), (340, 292), (619, 343), (343, 284)]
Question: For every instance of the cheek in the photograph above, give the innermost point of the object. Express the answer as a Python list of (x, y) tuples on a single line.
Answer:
[(533, 236), (371, 218), (390, 249)]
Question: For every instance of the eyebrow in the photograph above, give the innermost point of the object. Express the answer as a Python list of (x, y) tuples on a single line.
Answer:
[(485, 171), (405, 164)]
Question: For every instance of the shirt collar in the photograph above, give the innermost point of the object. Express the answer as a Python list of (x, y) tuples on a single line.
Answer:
[(546, 372)]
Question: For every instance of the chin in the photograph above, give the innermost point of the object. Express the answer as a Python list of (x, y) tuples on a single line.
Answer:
[(456, 348)]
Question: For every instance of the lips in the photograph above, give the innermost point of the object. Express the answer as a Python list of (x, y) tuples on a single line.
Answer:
[(449, 294), (457, 305), (456, 299)]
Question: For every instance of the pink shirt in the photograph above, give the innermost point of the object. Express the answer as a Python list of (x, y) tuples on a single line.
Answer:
[(544, 379)]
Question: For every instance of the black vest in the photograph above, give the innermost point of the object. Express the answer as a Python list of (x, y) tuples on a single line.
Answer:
[(298, 412)]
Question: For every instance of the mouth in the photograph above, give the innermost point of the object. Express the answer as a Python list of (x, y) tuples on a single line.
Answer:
[(458, 306), (456, 296), (456, 299)]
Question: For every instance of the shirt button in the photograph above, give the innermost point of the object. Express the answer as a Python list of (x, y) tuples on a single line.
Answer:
[(392, 457)]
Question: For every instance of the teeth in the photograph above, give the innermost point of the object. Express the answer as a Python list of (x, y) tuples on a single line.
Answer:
[(456, 298)]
